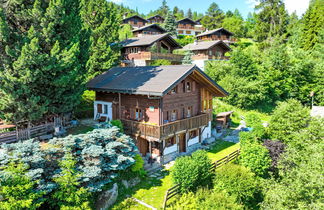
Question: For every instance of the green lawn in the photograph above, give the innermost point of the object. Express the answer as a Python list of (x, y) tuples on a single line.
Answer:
[(80, 129), (152, 191)]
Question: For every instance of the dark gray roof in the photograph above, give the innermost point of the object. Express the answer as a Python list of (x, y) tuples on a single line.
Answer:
[(149, 40), (151, 26), (213, 31), (194, 22), (135, 16), (205, 45), (155, 16), (145, 80)]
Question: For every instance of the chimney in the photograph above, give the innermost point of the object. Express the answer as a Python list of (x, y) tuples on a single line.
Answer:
[(196, 42)]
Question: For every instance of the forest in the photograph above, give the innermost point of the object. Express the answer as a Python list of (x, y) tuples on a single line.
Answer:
[(50, 49)]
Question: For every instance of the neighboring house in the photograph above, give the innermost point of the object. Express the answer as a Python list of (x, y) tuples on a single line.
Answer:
[(152, 29), (203, 51), (166, 109), (317, 111), (135, 21), (217, 34), (156, 19), (189, 27), (141, 51)]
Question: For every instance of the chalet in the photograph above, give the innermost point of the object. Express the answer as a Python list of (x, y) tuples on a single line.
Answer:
[(189, 27), (166, 109), (151, 29), (217, 34), (156, 19), (141, 51), (203, 51), (135, 21)]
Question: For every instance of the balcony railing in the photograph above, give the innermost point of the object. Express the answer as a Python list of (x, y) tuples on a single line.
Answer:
[(154, 56), (209, 57), (161, 132)]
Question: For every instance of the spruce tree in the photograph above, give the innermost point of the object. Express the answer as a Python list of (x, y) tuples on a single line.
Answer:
[(102, 19), (43, 64), (213, 18), (170, 24), (187, 58), (313, 22), (189, 13)]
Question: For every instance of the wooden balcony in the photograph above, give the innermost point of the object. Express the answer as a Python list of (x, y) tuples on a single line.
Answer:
[(154, 56), (164, 131)]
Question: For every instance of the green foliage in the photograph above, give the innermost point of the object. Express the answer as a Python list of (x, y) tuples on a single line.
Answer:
[(17, 190), (252, 120), (238, 182), (192, 172), (160, 62), (300, 169), (138, 167), (288, 117), (170, 24), (187, 58), (70, 194), (44, 51), (205, 199), (85, 108), (213, 18), (255, 157), (313, 22), (183, 40), (234, 24), (102, 19), (125, 32), (118, 124)]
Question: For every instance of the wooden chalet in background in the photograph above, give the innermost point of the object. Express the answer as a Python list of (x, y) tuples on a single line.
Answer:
[(152, 29), (189, 27), (209, 50), (156, 19), (135, 21), (141, 51), (167, 109), (217, 34)]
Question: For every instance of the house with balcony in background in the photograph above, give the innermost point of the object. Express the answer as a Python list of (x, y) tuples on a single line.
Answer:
[(135, 21), (207, 50), (166, 109), (217, 34), (156, 19), (142, 50), (151, 29), (188, 27)]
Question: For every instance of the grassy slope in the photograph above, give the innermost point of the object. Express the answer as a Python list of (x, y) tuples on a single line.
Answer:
[(152, 190)]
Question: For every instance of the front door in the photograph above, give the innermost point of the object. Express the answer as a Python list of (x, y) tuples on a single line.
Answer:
[(182, 142), (143, 146)]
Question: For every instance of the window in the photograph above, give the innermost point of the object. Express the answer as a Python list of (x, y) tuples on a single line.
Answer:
[(105, 109), (210, 52), (189, 111), (151, 108), (174, 115), (188, 86), (180, 31), (171, 141), (193, 134), (183, 113), (138, 114), (188, 32), (174, 90)]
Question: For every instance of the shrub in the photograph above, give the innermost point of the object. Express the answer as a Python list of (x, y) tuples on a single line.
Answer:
[(118, 124), (17, 190), (288, 117), (138, 167), (205, 199), (192, 172), (160, 62), (85, 108), (239, 182), (275, 148), (70, 194), (252, 120), (255, 157)]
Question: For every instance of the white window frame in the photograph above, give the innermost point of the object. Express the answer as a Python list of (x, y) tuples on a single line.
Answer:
[(103, 104)]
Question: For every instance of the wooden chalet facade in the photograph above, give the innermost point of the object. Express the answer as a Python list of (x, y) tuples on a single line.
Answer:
[(135, 21), (166, 109), (209, 50), (152, 29), (142, 50), (217, 34), (189, 27), (156, 19)]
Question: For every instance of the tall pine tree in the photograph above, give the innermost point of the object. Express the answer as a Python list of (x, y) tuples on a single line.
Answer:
[(102, 19), (170, 24), (213, 18)]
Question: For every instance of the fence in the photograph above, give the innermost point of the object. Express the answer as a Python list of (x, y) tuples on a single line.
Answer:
[(175, 190)]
